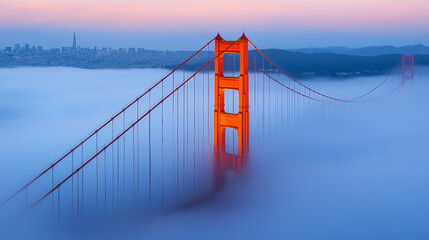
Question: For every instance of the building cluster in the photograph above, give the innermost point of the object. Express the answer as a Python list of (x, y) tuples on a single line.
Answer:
[(17, 49), (26, 49), (76, 56)]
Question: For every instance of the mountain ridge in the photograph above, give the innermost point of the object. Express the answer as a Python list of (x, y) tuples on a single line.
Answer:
[(416, 49)]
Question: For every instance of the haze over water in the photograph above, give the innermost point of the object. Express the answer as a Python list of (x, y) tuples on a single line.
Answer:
[(358, 171)]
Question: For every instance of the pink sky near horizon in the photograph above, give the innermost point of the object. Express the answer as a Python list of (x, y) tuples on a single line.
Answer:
[(179, 15)]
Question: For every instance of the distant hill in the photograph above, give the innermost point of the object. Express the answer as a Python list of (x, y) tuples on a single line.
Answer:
[(329, 64), (297, 64), (304, 65), (369, 51)]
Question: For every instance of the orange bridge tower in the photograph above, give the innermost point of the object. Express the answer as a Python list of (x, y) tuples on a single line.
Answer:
[(223, 120), (407, 67)]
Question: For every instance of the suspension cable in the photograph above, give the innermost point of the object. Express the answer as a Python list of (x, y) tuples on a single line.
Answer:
[(126, 130)]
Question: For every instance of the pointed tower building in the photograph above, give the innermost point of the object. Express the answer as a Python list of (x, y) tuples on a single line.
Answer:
[(74, 42)]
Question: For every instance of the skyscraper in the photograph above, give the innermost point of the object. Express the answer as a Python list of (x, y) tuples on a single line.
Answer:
[(17, 48), (74, 42)]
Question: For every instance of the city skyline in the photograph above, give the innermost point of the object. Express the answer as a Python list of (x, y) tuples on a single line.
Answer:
[(19, 47)]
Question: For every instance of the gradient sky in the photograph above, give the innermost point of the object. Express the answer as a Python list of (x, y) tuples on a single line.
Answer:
[(159, 24)]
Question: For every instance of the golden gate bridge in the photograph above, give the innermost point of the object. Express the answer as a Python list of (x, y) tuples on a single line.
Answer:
[(173, 144)]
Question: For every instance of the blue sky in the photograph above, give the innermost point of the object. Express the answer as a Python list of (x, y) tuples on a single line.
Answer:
[(186, 25)]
